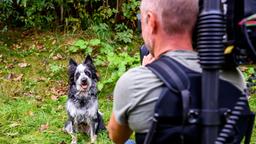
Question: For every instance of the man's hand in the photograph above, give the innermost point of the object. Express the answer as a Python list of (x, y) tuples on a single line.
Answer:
[(118, 133), (147, 59)]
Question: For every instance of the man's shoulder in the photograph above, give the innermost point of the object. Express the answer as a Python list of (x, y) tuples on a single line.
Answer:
[(189, 59), (139, 69), (138, 72), (138, 77)]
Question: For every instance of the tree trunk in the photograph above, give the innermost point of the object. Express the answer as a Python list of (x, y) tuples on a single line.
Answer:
[(61, 14), (118, 15)]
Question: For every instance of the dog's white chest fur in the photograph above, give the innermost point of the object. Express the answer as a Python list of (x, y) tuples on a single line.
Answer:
[(74, 111)]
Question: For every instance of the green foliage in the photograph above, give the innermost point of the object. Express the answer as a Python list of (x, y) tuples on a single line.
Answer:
[(123, 34), (130, 10), (103, 14), (28, 13), (113, 58), (56, 71), (117, 64), (55, 68), (6, 12), (29, 85), (33, 10), (85, 46), (72, 23), (72, 15), (249, 73), (102, 30)]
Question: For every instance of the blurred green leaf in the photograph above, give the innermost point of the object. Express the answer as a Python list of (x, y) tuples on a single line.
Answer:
[(94, 42)]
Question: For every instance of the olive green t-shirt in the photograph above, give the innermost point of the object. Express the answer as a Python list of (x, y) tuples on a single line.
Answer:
[(137, 91)]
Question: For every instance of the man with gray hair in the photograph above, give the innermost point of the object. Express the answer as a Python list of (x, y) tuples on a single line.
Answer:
[(167, 27)]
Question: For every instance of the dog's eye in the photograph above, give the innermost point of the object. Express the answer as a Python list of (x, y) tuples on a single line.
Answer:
[(87, 73), (77, 75)]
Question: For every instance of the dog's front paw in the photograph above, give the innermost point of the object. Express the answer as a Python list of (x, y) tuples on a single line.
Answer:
[(74, 140), (93, 139)]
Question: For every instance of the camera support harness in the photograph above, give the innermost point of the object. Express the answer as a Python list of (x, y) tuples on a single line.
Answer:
[(211, 55)]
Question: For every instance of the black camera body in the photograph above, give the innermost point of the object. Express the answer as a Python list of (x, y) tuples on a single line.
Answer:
[(239, 38)]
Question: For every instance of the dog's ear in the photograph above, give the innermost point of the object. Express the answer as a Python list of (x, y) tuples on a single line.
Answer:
[(72, 62), (72, 70), (88, 60), (94, 75)]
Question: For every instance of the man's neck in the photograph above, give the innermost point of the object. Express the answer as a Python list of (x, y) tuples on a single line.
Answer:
[(173, 43)]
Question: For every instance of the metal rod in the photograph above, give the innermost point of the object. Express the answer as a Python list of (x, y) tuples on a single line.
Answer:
[(211, 4), (211, 56), (210, 93)]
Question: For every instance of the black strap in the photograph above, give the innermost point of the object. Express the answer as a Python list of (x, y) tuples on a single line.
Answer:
[(249, 130), (152, 130), (167, 69)]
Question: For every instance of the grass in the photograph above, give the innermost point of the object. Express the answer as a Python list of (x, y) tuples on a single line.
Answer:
[(33, 87), (252, 102), (33, 95), (25, 120)]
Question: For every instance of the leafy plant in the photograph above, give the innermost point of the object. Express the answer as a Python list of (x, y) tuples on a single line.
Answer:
[(118, 63), (85, 46), (130, 9), (70, 15), (56, 71), (250, 76), (102, 31), (104, 14), (6, 14), (72, 23), (123, 33), (33, 10), (29, 85)]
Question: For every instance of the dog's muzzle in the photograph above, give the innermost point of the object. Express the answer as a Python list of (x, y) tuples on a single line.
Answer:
[(84, 84)]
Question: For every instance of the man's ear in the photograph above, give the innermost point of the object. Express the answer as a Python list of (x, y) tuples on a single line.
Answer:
[(152, 22)]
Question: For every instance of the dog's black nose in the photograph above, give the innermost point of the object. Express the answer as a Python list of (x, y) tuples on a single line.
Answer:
[(84, 81)]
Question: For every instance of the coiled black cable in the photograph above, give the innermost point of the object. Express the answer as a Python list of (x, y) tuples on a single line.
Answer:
[(210, 30), (228, 128)]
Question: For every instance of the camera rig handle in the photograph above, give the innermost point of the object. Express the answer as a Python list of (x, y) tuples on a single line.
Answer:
[(211, 28)]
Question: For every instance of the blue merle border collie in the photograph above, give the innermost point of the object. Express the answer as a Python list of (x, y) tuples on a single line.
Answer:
[(82, 102)]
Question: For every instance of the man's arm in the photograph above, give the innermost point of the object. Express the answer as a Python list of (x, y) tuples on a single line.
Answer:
[(118, 133)]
